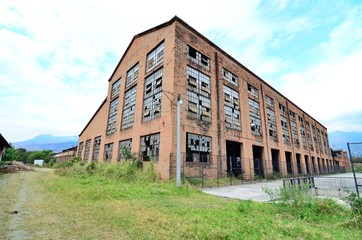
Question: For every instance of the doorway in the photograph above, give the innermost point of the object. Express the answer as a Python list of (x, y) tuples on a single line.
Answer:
[(233, 158), (258, 161), (275, 160), (288, 160)]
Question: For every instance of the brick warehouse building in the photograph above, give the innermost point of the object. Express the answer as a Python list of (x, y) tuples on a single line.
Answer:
[(231, 120)]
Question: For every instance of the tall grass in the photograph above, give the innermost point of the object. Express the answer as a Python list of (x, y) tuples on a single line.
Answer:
[(126, 171)]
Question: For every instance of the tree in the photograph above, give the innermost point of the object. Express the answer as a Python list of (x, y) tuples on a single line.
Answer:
[(11, 154), (45, 155)]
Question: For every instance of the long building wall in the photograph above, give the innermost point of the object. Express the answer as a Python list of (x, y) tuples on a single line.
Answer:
[(201, 73)]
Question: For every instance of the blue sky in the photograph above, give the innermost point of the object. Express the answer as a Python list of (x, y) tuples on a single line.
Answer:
[(56, 56)]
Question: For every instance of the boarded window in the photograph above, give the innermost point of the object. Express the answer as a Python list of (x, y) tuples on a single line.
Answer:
[(231, 108), (155, 57), (132, 75), (152, 96), (129, 108), (150, 147), (96, 148), (112, 116), (198, 148)]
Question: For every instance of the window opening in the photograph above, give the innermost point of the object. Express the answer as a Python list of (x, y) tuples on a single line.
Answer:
[(198, 58), (150, 147), (231, 108), (125, 146), (198, 95), (254, 115), (198, 148), (155, 58), (152, 96), (108, 151), (272, 125), (253, 91), (87, 149), (285, 130), (112, 116), (116, 88), (132, 75), (230, 77), (96, 147), (129, 108)]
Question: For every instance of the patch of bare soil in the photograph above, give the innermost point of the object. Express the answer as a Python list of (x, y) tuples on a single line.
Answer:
[(15, 167)]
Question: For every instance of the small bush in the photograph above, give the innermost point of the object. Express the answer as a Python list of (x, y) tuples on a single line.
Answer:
[(354, 202)]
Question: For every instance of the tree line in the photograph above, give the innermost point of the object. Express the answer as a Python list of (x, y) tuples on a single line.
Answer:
[(21, 155)]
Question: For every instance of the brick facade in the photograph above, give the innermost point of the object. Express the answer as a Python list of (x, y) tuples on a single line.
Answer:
[(226, 116)]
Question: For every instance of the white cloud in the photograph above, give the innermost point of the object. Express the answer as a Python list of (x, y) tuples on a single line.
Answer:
[(55, 55)]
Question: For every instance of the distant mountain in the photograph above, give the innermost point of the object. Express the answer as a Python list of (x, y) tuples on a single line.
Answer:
[(48, 142), (339, 139)]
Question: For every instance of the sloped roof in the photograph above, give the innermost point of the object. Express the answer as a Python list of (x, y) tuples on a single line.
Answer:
[(104, 101), (176, 18), (3, 142)]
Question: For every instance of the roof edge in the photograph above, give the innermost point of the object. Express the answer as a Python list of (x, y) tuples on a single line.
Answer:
[(99, 108)]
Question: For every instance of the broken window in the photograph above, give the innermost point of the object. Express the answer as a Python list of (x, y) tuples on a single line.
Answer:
[(125, 147), (309, 136), (272, 125), (198, 148), (231, 108), (108, 151), (300, 119), (116, 88), (302, 133), (87, 149), (198, 95), (155, 57), (254, 115), (295, 132), (285, 130), (253, 91), (269, 101), (112, 116), (80, 149), (132, 75), (198, 58), (129, 108), (96, 147), (152, 96), (315, 138), (230, 77), (282, 108), (319, 141), (150, 147), (291, 113)]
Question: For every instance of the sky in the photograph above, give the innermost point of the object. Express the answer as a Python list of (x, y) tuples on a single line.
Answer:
[(56, 56)]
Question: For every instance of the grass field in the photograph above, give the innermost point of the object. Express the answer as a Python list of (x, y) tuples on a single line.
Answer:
[(99, 207)]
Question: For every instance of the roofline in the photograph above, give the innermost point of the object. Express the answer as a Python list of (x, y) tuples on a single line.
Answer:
[(2, 139), (99, 108), (176, 18)]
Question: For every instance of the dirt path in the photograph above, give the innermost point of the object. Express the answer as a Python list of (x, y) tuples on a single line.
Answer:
[(17, 193)]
